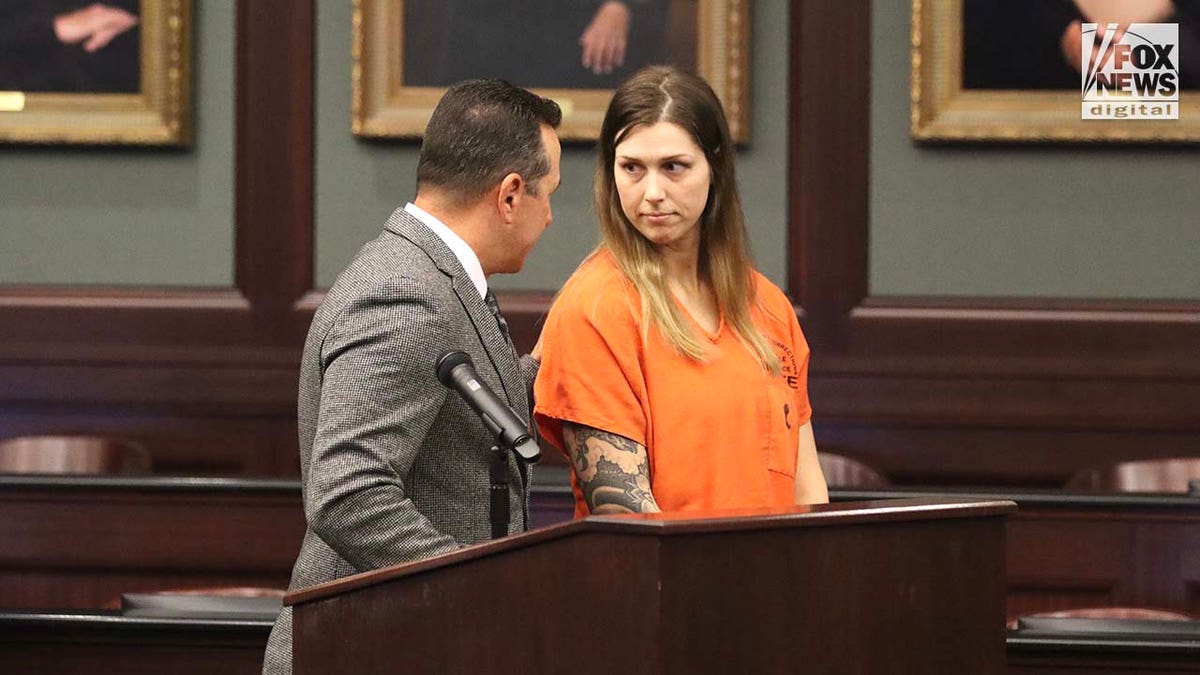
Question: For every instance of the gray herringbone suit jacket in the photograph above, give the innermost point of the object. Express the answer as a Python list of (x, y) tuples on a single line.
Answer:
[(395, 466)]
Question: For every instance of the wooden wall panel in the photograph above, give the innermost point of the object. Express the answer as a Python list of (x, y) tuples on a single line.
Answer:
[(67, 643), (81, 542), (1061, 557), (999, 455), (186, 440), (952, 390)]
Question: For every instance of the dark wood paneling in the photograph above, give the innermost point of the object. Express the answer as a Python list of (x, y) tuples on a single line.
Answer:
[(996, 454), (828, 146), (84, 588), (89, 643), (933, 389), (1079, 550), (1063, 556), (929, 387), (1065, 550), (925, 576), (188, 438), (1101, 655), (276, 47), (76, 643), (80, 543), (687, 593)]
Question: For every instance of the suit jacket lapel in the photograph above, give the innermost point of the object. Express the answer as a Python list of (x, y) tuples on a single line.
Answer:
[(503, 359)]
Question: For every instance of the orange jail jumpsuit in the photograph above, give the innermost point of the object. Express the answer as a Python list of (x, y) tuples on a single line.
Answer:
[(720, 434)]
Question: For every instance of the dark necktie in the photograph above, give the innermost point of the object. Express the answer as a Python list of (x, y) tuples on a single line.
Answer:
[(490, 300)]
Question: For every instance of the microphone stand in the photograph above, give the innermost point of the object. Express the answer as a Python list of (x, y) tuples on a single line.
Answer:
[(497, 418), (498, 484), (498, 490)]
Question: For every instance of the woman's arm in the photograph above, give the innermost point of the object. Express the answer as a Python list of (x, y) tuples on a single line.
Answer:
[(613, 471), (810, 482)]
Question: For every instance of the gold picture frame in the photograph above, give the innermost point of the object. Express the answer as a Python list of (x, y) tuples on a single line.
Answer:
[(942, 110), (383, 106), (158, 114)]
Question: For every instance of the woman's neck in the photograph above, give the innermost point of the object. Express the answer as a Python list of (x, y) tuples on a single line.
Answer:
[(681, 269), (685, 281)]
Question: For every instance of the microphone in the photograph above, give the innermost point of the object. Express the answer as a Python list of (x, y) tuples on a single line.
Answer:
[(456, 371)]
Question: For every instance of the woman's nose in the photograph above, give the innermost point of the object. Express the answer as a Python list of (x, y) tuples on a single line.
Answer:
[(654, 192)]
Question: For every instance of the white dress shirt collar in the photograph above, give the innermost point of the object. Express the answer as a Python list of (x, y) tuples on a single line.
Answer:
[(460, 249)]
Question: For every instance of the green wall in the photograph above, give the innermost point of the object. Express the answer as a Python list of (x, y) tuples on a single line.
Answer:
[(131, 216), (359, 183), (1055, 221), (1112, 222)]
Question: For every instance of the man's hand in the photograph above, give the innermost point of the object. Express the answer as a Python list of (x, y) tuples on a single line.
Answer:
[(536, 352), (604, 39), (95, 25)]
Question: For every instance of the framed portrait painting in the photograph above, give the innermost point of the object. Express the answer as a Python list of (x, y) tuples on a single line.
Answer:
[(406, 52), (107, 72), (1055, 70)]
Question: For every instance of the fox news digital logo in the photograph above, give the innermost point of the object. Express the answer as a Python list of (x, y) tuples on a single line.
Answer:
[(1130, 75)]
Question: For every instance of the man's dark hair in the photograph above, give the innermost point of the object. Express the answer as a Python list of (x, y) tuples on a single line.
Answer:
[(481, 131)]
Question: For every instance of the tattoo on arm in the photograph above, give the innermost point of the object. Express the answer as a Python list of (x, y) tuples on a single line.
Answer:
[(613, 471)]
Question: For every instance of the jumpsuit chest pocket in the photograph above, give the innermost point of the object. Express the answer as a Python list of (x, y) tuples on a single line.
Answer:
[(782, 427)]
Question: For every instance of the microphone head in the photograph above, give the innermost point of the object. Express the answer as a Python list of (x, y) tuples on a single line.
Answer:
[(447, 362)]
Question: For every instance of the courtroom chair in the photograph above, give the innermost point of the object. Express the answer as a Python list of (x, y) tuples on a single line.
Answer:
[(1120, 613), (1147, 475), (72, 454), (846, 472)]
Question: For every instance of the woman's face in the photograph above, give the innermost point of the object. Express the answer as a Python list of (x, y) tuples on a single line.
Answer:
[(662, 178)]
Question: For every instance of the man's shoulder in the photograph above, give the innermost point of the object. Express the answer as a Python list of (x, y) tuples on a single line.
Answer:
[(387, 270), (388, 256)]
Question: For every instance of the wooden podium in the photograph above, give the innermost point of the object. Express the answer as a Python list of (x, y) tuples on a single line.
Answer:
[(895, 586)]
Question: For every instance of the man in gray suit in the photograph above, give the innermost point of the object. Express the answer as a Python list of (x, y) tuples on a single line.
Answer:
[(395, 466)]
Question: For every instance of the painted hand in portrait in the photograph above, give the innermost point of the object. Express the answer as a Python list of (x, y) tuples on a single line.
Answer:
[(1036, 44), (70, 46), (406, 52), (548, 44)]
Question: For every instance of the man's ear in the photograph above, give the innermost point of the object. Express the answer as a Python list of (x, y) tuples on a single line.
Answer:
[(508, 197)]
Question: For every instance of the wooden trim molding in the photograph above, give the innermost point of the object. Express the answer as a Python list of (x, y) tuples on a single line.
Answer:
[(275, 153)]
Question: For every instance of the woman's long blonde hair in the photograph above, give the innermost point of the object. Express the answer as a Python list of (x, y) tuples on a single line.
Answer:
[(664, 94)]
